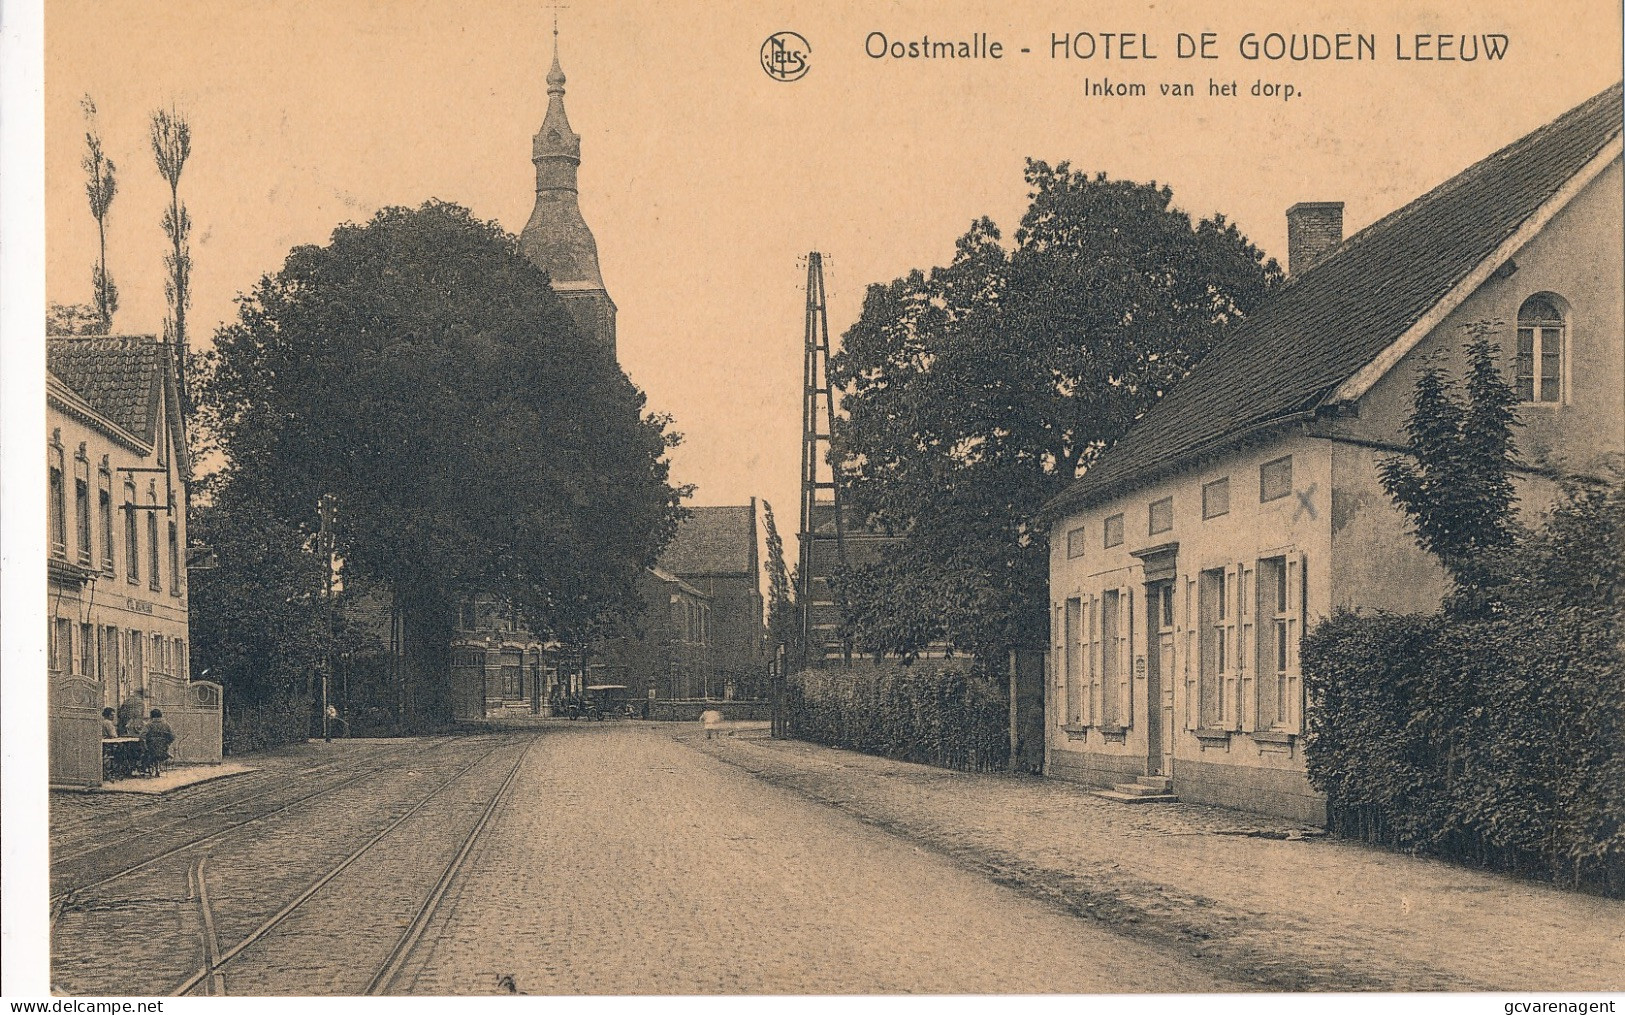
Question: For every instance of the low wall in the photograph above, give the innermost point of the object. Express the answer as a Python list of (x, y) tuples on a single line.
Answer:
[(680, 710)]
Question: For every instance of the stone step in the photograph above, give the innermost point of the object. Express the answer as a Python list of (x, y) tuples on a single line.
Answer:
[(1139, 789), (1135, 798), (1159, 782)]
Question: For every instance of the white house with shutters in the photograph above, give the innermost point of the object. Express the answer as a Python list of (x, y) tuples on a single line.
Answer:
[(1188, 561)]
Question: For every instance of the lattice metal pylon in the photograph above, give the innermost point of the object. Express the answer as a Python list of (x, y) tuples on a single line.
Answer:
[(820, 493)]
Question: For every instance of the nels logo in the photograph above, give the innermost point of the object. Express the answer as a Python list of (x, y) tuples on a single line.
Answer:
[(784, 56)]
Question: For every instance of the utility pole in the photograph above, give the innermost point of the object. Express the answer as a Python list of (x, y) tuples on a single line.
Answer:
[(328, 510), (817, 424)]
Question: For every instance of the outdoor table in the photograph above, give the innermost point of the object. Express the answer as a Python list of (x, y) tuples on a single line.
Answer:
[(121, 756)]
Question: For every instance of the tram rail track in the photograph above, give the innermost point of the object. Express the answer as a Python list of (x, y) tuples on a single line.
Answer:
[(389, 970), (273, 781), (62, 900)]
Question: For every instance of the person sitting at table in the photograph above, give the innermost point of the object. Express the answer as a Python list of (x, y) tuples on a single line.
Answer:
[(109, 724), (155, 741), (129, 713)]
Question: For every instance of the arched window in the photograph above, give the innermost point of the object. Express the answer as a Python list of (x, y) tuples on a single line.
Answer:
[(1541, 331)]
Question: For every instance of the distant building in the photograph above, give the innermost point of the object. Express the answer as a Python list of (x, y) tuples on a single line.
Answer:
[(701, 634), (715, 552), (117, 468), (1246, 505), (666, 651)]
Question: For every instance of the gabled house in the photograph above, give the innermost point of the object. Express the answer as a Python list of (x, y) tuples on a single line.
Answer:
[(116, 473), (1187, 563)]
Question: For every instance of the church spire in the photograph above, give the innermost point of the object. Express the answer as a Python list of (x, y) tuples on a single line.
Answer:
[(556, 239)]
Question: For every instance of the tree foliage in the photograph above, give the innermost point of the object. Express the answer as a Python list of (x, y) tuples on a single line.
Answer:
[(171, 138), (976, 391), (101, 185), (783, 627), (420, 369), (1494, 729), (74, 319), (1455, 481)]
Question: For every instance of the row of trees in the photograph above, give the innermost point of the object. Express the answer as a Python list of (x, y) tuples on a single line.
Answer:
[(975, 392), (170, 136)]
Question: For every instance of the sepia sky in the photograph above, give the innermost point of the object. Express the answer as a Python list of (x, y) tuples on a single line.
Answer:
[(705, 181)]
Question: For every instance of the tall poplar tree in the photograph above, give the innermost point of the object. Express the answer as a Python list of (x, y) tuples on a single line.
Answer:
[(101, 184), (171, 147)]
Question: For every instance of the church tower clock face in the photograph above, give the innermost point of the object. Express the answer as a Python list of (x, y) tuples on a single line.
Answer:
[(557, 239)]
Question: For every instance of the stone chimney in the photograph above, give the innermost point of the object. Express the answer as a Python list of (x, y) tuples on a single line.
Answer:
[(1313, 230)]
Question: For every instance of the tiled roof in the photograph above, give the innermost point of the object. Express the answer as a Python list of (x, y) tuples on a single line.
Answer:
[(121, 376), (714, 540), (1341, 314)]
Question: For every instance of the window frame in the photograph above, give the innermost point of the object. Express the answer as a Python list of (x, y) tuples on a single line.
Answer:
[(1542, 332), (132, 535), (1264, 495), (1076, 542), (1151, 515), (56, 480), (1220, 485), (1107, 530)]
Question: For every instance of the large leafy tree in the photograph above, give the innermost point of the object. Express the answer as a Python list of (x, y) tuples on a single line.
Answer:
[(976, 391), (421, 370)]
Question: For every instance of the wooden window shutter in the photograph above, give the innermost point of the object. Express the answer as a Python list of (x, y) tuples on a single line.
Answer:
[(1232, 668), (1296, 567), (1057, 665), (1189, 661), (1246, 645), (1125, 656), (1091, 655)]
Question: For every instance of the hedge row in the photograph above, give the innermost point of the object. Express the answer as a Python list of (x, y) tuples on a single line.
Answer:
[(933, 715), (256, 725), (1493, 730)]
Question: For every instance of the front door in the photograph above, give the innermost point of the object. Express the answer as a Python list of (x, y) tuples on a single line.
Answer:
[(1159, 686)]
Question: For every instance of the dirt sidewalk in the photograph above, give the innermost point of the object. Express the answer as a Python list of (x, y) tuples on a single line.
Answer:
[(1273, 903)]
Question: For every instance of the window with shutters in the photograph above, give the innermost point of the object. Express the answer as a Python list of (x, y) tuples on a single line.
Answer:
[(1110, 663), (1057, 664), (58, 506), (157, 661), (1280, 612), (1074, 661), (1191, 667), (174, 561), (1216, 498), (1541, 333), (138, 660), (87, 650), (62, 645), (1218, 687), (1074, 543), (1092, 661), (153, 580), (104, 514), (1112, 530), (132, 530), (81, 506), (110, 655)]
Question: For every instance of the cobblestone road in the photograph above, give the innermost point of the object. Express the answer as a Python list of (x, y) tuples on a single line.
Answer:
[(1224, 887), (622, 861), (630, 863)]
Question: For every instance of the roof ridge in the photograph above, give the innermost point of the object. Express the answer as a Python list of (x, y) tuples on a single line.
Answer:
[(1466, 176)]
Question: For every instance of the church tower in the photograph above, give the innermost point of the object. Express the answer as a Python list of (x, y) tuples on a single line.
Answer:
[(556, 239)]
